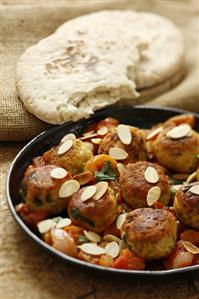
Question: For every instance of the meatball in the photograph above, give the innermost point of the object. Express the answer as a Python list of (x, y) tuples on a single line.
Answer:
[(91, 214), (179, 155), (73, 160), (150, 233), (40, 191), (136, 149), (135, 187), (186, 206)]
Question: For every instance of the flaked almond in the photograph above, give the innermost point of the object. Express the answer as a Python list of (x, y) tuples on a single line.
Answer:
[(192, 177), (88, 133), (65, 147), (111, 238), (149, 147), (120, 221), (70, 136), (190, 247), (45, 226), (180, 131), (63, 222), (153, 195), (102, 131), (175, 188), (96, 140), (92, 248), (88, 136), (122, 244), (151, 175), (154, 133), (112, 249), (83, 178), (118, 153), (88, 192), (58, 173), (92, 236), (194, 189), (68, 188), (120, 167), (124, 134), (101, 189)]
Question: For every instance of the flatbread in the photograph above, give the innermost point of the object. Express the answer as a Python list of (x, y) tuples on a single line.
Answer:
[(96, 60)]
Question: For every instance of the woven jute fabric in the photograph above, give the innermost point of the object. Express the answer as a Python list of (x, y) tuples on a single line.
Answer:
[(28, 272), (26, 22)]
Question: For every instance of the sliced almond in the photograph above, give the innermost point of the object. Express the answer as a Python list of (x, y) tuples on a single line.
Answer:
[(96, 140), (112, 249), (124, 134), (88, 133), (83, 178), (88, 136), (111, 238), (91, 236), (175, 188), (88, 192), (63, 222), (101, 189), (118, 153), (102, 131), (68, 188), (194, 189), (153, 195), (70, 136), (92, 248), (120, 221), (65, 147), (154, 133), (180, 131), (190, 247), (192, 177), (120, 167), (58, 173), (122, 244), (151, 175), (45, 226)]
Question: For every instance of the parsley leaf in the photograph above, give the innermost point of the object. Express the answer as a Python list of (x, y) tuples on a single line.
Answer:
[(82, 239), (106, 174)]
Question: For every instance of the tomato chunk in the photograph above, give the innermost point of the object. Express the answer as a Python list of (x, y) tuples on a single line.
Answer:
[(127, 260)]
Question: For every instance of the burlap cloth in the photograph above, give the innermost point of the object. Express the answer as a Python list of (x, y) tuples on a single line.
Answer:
[(26, 22), (26, 271)]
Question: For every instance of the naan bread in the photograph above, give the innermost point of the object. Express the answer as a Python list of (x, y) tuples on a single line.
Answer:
[(96, 60)]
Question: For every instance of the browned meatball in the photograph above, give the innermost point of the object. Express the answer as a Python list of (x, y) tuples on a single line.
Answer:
[(179, 155), (186, 206), (136, 149), (73, 160), (135, 187), (91, 214), (40, 191), (150, 233)]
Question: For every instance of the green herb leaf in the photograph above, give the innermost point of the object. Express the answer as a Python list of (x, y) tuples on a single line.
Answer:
[(82, 239), (106, 174), (77, 215), (56, 219)]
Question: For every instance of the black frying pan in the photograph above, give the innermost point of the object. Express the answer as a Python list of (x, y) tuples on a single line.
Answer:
[(141, 116)]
